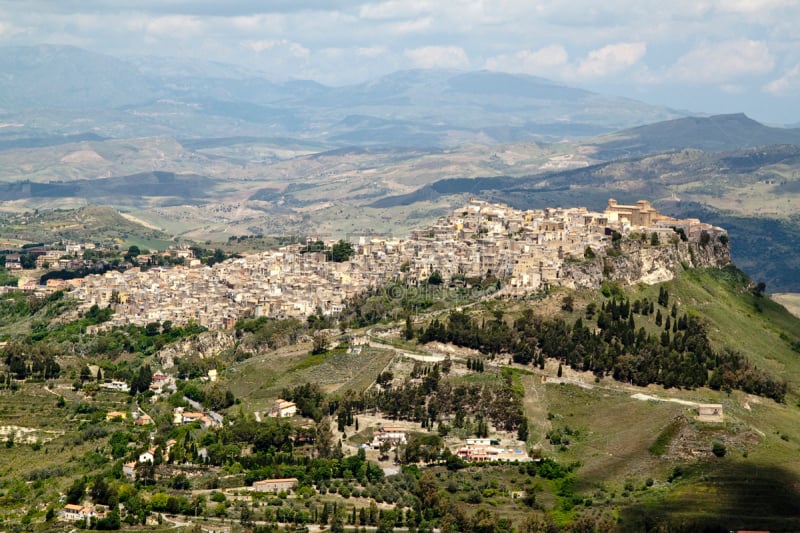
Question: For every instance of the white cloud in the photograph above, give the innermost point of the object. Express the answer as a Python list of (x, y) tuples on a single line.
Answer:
[(412, 26), (295, 49), (610, 59), (789, 83), (721, 62), (394, 9), (438, 57), (175, 26), (6, 29), (751, 6), (261, 22), (534, 62)]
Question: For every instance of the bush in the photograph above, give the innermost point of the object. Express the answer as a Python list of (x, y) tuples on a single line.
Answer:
[(718, 449), (676, 473)]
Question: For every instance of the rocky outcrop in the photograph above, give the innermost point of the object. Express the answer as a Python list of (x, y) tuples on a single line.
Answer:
[(639, 262), (206, 344)]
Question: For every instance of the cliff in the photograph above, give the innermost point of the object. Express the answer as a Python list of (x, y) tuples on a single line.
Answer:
[(206, 344), (639, 262)]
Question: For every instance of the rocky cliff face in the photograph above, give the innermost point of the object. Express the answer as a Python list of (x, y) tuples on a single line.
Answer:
[(206, 344), (639, 262)]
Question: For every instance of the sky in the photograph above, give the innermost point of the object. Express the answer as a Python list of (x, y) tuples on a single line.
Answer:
[(709, 56)]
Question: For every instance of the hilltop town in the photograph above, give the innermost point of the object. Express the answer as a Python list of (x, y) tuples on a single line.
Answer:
[(525, 250)]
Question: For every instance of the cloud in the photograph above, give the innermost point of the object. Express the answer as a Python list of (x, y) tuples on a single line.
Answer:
[(438, 57), (6, 29), (530, 61), (295, 49), (721, 62), (394, 9), (175, 26), (789, 83), (610, 59), (751, 6)]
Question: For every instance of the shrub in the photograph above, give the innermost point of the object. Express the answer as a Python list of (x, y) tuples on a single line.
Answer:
[(718, 449)]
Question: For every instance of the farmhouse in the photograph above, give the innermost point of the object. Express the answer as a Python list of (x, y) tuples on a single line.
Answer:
[(389, 434), (148, 456), (74, 512), (129, 470), (143, 420), (481, 453), (283, 409), (275, 485), (116, 385)]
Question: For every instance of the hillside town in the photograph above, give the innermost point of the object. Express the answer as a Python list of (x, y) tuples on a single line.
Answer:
[(524, 249)]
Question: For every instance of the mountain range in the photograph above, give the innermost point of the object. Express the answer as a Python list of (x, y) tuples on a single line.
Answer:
[(66, 90)]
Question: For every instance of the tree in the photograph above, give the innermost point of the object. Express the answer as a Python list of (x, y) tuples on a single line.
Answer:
[(654, 239), (758, 291), (408, 332), (560, 370), (435, 278), (76, 491), (132, 253), (340, 252), (385, 378), (568, 303), (522, 430), (141, 382), (86, 374), (320, 343), (588, 253)]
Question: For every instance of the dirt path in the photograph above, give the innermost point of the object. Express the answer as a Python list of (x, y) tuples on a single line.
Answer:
[(536, 407), (645, 397)]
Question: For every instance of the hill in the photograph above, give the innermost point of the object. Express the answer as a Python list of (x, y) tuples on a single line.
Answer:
[(718, 133), (751, 192), (614, 455), (92, 223)]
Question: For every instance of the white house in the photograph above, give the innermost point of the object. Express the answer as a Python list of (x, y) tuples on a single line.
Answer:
[(116, 385), (148, 456), (74, 512)]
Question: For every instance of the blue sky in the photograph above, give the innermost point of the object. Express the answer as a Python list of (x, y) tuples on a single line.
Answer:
[(713, 56)]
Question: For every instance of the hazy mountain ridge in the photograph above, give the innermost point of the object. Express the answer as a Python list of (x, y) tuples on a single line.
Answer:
[(718, 133), (155, 96)]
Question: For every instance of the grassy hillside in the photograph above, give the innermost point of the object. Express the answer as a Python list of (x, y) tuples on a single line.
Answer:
[(92, 223), (628, 457)]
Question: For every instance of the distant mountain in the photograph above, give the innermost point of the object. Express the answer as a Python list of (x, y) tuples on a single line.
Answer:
[(65, 90), (50, 76), (718, 133)]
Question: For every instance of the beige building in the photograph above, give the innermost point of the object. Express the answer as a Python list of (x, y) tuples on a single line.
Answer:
[(710, 412), (641, 214), (275, 485), (283, 409)]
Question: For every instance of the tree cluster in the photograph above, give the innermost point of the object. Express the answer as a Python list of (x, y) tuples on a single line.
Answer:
[(680, 356)]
